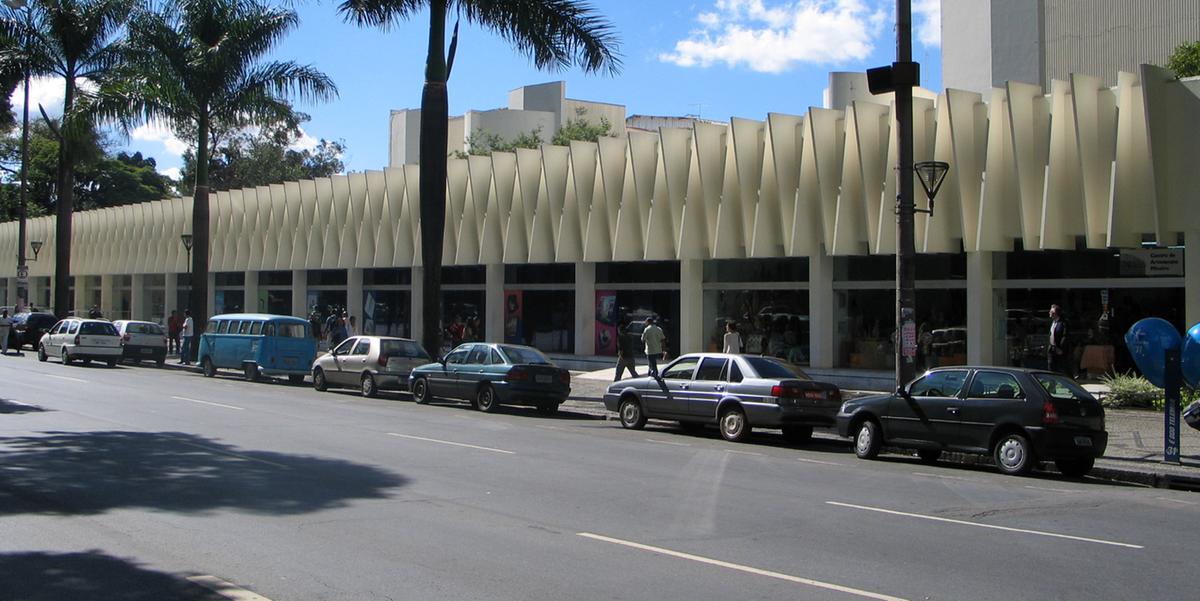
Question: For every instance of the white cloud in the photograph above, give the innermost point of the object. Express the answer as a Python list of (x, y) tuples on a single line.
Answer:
[(47, 92), (171, 172), (304, 142), (775, 38), (928, 25), (157, 132)]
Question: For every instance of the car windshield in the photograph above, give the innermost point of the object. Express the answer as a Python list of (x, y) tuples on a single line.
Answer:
[(403, 348), (97, 328), (1061, 387), (770, 368), (144, 328), (291, 330), (520, 354)]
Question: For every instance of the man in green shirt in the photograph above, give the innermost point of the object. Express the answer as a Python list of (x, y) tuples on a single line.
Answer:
[(653, 337)]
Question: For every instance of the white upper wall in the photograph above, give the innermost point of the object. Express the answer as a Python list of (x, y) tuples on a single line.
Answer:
[(967, 45), (508, 124), (404, 137)]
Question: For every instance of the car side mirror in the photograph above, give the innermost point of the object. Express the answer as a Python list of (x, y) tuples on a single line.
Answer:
[(442, 360), (902, 392)]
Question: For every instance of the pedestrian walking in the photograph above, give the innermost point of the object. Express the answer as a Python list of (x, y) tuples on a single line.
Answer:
[(338, 330), (1056, 351), (314, 320), (625, 352), (733, 340), (352, 327), (174, 327), (654, 338), (5, 329), (95, 313), (189, 334)]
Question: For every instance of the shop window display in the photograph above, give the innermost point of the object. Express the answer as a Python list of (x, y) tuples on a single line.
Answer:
[(542, 319), (770, 322), (462, 317), (386, 313), (866, 328), (631, 308)]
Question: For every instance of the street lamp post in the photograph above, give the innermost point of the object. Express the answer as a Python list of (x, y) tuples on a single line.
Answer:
[(22, 206), (187, 243)]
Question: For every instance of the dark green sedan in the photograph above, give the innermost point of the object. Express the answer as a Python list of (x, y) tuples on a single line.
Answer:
[(489, 375)]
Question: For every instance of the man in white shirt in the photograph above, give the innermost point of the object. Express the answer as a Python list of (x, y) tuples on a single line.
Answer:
[(653, 337), (5, 328), (189, 333)]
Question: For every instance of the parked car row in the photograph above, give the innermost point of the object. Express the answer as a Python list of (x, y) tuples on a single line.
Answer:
[(1020, 417)]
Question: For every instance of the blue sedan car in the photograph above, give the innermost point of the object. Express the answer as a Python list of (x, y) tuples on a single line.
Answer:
[(489, 375)]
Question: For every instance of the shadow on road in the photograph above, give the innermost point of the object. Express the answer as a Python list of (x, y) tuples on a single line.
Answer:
[(11, 406), (92, 472), (93, 576)]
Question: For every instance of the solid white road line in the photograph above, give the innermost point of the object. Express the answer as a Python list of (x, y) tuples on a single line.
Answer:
[(226, 589), (751, 453), (741, 568), (1175, 500), (990, 526), (183, 398), (670, 442), (455, 444), (67, 378), (818, 461)]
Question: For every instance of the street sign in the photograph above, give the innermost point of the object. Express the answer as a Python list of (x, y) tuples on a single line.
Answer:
[(1174, 378), (22, 272)]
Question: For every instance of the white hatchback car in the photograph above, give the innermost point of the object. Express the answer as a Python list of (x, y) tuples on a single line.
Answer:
[(85, 339), (142, 341)]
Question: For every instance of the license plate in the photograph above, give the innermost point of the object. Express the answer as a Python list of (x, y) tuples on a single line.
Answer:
[(289, 360), (1083, 441), (147, 351), (543, 379)]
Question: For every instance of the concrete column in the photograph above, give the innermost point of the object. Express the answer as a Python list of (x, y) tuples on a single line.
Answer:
[(416, 313), (213, 309), (585, 308), (300, 292), (138, 308), (354, 295), (981, 309), (250, 290), (10, 286), (691, 308), (108, 299), (81, 294), (170, 293), (493, 302), (820, 310)]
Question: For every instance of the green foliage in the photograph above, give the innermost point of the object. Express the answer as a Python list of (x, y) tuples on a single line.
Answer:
[(1185, 60), (118, 180), (1128, 391), (482, 142), (266, 156), (579, 128)]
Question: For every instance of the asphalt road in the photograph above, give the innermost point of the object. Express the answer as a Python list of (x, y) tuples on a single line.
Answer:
[(137, 483)]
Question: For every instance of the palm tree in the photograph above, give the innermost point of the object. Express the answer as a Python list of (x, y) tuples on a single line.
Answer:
[(553, 33), (197, 66), (74, 40)]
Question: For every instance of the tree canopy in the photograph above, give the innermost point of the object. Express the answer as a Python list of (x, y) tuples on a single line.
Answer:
[(258, 157), (1185, 60)]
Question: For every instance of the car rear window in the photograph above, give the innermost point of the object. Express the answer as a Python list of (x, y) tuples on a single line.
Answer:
[(769, 368), (403, 348), (1061, 387), (520, 354), (96, 328), (144, 328)]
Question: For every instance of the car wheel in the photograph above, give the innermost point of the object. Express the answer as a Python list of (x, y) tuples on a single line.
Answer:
[(733, 425), (1075, 467), (160, 362), (867, 441), (631, 414), (296, 378), (420, 391), (368, 387), (319, 382), (1014, 455), (929, 456), (42, 353), (210, 370), (66, 356), (485, 401), (797, 434), (250, 370), (87, 361), (112, 362), (547, 408)]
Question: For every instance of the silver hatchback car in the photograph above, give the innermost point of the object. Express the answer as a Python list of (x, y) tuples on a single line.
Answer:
[(369, 363), (735, 392)]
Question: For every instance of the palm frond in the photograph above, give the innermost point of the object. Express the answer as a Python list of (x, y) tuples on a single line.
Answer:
[(555, 34), (383, 14)]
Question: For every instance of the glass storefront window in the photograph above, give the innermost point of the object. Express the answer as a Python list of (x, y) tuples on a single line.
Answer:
[(632, 307), (386, 313), (865, 327), (638, 272), (232, 278), (870, 268), (464, 275), (387, 277), (552, 273), (279, 302), (274, 278), (543, 319), (327, 277), (230, 301), (757, 270), (771, 322), (462, 317)]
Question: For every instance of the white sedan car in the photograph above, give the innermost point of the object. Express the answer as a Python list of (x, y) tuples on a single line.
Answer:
[(85, 339)]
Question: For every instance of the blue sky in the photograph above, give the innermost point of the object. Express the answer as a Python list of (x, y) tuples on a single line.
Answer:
[(719, 58)]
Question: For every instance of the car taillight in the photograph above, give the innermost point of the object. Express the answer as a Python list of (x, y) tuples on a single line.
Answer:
[(125, 338), (516, 374), (76, 340), (1049, 413), (383, 360), (564, 377), (779, 391)]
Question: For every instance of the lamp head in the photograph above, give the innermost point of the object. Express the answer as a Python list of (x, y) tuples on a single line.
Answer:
[(931, 174), (187, 240), (36, 245)]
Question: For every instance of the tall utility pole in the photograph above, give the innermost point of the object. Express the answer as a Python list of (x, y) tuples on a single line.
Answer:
[(906, 295), (22, 206)]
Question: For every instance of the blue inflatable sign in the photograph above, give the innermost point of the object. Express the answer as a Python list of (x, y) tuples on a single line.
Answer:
[(1147, 340), (1191, 356)]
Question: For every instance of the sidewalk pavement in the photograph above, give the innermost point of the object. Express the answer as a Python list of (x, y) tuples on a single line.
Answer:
[(1134, 453)]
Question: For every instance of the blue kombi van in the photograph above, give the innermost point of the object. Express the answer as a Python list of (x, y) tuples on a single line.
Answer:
[(257, 344)]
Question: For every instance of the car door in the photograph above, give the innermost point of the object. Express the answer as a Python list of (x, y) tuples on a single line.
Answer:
[(341, 356), (930, 413), (669, 395), (472, 371), (442, 381), (708, 387), (356, 363), (52, 340), (992, 396)]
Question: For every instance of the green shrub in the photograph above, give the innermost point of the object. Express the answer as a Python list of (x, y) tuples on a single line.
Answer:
[(1128, 390)]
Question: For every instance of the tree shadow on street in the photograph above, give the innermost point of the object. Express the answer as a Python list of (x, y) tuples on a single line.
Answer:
[(91, 575), (80, 473), (11, 406)]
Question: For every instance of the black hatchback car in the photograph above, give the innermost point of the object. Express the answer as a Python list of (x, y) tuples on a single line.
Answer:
[(27, 329), (1018, 416)]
